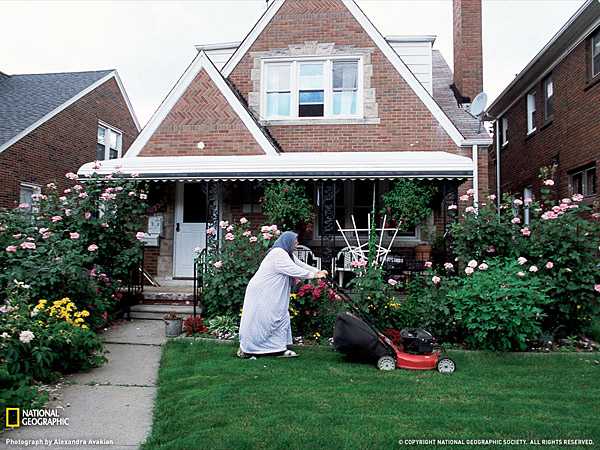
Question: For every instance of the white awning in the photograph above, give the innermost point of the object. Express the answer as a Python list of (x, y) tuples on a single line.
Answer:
[(295, 166)]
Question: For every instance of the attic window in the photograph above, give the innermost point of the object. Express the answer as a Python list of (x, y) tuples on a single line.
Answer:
[(109, 142), (311, 88), (596, 54)]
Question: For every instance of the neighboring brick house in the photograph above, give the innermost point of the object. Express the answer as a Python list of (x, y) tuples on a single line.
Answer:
[(550, 114), (51, 124), (313, 93)]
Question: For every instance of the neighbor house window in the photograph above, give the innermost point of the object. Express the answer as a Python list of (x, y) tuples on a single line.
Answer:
[(28, 195), (548, 99), (109, 143), (596, 54), (504, 128), (583, 181), (531, 113), (311, 88)]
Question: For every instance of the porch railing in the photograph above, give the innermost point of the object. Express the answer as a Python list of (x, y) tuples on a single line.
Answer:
[(199, 278)]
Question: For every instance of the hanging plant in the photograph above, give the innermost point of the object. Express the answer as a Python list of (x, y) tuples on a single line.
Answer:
[(408, 203), (287, 205)]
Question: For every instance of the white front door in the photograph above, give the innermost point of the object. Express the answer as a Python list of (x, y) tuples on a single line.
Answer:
[(190, 227)]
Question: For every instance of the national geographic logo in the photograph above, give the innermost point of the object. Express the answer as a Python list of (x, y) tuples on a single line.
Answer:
[(17, 417)]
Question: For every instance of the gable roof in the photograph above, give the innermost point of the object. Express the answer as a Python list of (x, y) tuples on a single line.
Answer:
[(585, 21), (203, 62), (468, 125), (27, 101), (383, 45)]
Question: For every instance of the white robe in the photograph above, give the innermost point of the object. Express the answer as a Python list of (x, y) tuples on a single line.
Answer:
[(265, 323)]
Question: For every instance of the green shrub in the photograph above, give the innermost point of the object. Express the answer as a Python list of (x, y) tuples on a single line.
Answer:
[(287, 205), (223, 327), (500, 307), (231, 266), (409, 202)]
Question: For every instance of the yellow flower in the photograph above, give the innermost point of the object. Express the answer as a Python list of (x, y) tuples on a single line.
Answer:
[(85, 313), (84, 326)]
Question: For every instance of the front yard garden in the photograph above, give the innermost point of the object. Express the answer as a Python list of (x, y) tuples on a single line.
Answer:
[(210, 399)]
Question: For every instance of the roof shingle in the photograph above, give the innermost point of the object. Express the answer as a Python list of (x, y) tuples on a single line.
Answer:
[(25, 99)]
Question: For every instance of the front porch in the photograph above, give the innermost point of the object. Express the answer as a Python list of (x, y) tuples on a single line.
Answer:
[(182, 211)]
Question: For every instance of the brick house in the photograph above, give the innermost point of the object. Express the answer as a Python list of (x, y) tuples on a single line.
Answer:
[(313, 93), (51, 124), (549, 115)]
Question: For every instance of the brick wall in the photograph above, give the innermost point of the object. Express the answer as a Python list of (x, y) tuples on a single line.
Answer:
[(572, 138), (202, 114), (405, 123), (63, 143), (468, 47)]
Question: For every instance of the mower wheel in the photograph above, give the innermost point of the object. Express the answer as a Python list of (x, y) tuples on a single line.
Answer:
[(446, 365), (386, 363)]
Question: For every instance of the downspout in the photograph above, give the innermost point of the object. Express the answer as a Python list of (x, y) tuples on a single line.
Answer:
[(475, 177), (498, 193)]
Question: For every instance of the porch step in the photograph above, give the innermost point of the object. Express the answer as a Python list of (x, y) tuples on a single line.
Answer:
[(158, 311)]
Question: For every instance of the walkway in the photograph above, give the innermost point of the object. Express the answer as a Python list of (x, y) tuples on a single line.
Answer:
[(113, 402)]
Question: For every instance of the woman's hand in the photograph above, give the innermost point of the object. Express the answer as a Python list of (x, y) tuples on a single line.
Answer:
[(321, 274)]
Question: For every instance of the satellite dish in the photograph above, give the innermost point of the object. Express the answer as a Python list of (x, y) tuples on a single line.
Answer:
[(478, 105)]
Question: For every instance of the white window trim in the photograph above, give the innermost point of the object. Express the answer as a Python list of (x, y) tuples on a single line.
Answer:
[(36, 188), (107, 142), (531, 126), (595, 38), (504, 131), (328, 87), (548, 118)]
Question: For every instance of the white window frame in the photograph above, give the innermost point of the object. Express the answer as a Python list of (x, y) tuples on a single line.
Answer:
[(547, 117), (107, 141), (595, 39), (531, 110), (35, 189), (527, 194), (504, 131), (584, 185), (328, 88)]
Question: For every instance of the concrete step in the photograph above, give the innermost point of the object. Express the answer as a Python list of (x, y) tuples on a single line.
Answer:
[(158, 311), (168, 296)]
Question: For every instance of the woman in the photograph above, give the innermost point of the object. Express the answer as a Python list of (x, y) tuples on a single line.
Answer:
[(265, 324)]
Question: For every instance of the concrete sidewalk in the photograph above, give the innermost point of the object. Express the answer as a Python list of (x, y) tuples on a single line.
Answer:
[(112, 403)]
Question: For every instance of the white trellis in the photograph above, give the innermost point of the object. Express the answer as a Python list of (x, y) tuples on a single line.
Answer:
[(361, 249)]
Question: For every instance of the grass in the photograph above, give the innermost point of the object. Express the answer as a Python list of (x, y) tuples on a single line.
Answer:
[(208, 399)]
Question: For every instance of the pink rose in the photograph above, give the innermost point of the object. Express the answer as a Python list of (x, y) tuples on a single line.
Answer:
[(549, 265), (267, 236), (247, 233), (253, 239), (483, 266), (469, 209), (223, 224), (218, 264), (17, 236), (464, 198), (533, 269), (492, 197), (428, 264), (74, 235), (548, 182), (11, 249), (273, 227), (452, 207), (392, 282), (436, 280), (597, 287), (469, 270), (67, 191), (212, 231), (87, 215), (24, 205), (449, 266), (522, 260), (229, 228), (472, 264), (243, 221), (470, 191), (229, 237), (71, 176), (83, 195), (143, 196), (577, 197), (92, 248), (104, 225), (521, 274), (56, 219), (516, 220), (525, 231), (46, 235), (517, 202), (28, 245), (140, 235)]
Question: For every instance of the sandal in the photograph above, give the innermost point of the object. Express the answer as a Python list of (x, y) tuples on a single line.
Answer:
[(241, 354), (288, 354)]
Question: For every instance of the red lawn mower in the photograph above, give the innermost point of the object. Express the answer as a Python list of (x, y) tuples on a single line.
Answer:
[(359, 339)]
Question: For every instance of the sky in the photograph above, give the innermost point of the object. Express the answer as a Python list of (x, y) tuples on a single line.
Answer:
[(151, 42)]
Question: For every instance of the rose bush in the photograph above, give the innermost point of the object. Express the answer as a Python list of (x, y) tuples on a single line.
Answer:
[(313, 308)]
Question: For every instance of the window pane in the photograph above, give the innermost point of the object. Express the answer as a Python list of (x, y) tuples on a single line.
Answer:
[(278, 77), (597, 64), (100, 152), (278, 104), (311, 97), (577, 183), (194, 203), (25, 196), (549, 98), (101, 134), (344, 103), (311, 110), (311, 76), (113, 139), (113, 154), (345, 75), (591, 181)]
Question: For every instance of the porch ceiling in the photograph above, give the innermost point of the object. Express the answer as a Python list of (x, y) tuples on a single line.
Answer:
[(295, 166)]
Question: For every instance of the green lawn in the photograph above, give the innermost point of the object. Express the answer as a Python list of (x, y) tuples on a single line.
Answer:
[(209, 399)]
